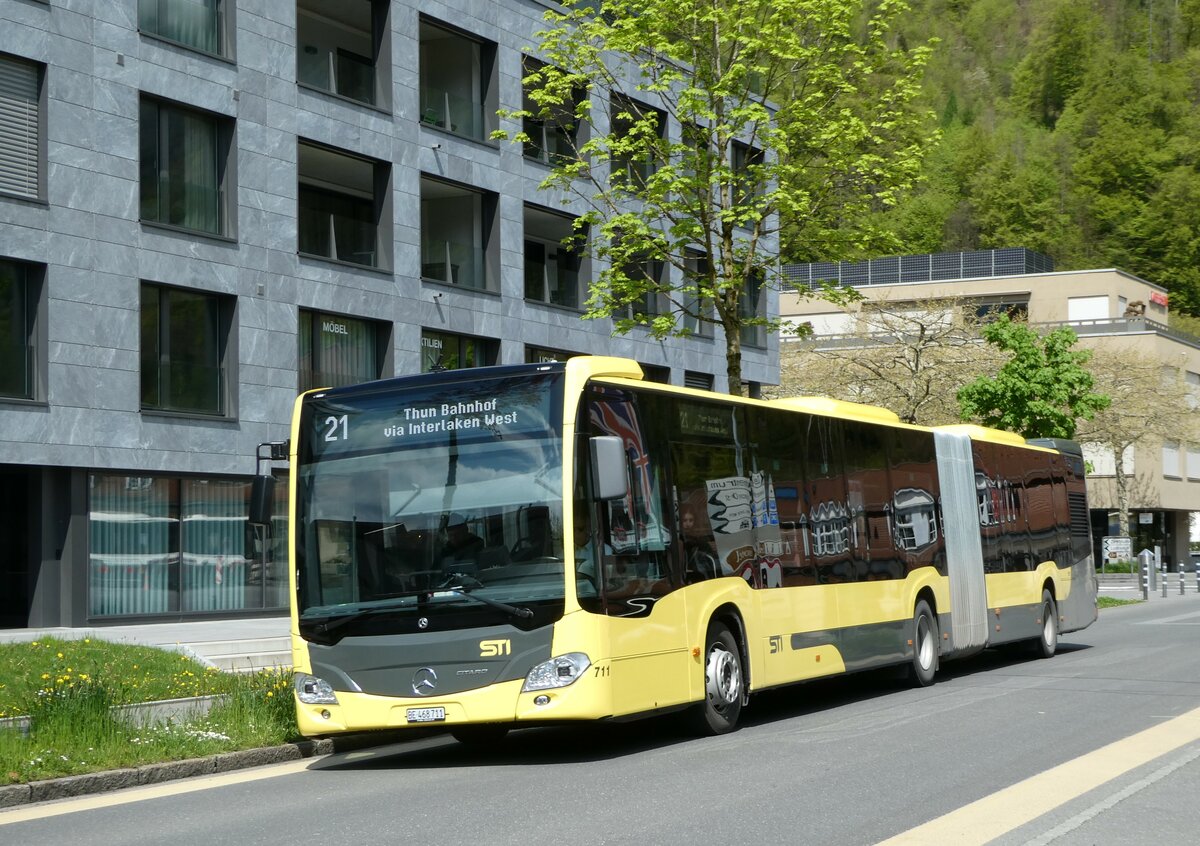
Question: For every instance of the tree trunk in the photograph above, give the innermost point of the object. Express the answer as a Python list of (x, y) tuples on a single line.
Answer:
[(733, 359), (1122, 483)]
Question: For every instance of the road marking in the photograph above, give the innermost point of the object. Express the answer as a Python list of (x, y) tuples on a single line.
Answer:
[(1192, 616), (986, 819), (1096, 810), (156, 791)]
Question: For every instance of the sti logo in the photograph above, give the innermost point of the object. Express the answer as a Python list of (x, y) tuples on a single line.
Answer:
[(493, 648)]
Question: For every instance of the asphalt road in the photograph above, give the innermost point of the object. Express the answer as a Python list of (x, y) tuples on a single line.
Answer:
[(1099, 745)]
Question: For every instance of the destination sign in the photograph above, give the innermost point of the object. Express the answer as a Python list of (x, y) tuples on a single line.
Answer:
[(496, 409), (450, 417)]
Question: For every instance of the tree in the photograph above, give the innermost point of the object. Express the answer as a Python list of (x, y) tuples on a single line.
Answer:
[(1151, 403), (909, 357), (690, 131), (1042, 391)]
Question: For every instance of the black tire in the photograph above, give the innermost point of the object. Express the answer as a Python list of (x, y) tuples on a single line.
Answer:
[(1047, 642), (925, 646), (724, 683), (486, 734)]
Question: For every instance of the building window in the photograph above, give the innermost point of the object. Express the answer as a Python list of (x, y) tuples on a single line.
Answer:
[(185, 337), (625, 113), (696, 309), (653, 302), (20, 292), (989, 309), (553, 131), (344, 206), (184, 166), (199, 24), (336, 350), (656, 373), (447, 351), (159, 545), (1170, 460), (544, 355), (458, 82), (21, 127), (457, 226), (746, 162), (552, 268), (751, 306), (338, 48)]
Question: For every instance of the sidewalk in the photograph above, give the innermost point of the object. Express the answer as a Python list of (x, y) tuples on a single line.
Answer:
[(245, 645)]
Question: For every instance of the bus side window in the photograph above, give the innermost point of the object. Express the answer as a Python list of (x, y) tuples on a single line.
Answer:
[(779, 448), (634, 528)]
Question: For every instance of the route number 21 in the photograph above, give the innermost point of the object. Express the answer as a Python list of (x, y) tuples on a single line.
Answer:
[(337, 428)]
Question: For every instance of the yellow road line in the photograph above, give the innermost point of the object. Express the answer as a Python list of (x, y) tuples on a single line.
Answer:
[(986, 819), (156, 791)]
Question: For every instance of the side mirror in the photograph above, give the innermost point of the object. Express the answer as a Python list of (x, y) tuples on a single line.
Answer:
[(610, 468), (262, 498)]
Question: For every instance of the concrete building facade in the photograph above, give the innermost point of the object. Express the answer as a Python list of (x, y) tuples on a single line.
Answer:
[(1106, 308), (208, 205)]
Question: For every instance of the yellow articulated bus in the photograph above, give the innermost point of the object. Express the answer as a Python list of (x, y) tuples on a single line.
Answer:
[(529, 544)]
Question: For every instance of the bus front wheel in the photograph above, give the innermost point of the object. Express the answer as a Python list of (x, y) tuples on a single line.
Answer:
[(1047, 643), (724, 683), (925, 645)]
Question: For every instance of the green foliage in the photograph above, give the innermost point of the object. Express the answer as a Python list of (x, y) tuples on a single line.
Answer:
[(1041, 391), (68, 691), (797, 125), (1069, 127), (1057, 62), (1113, 602)]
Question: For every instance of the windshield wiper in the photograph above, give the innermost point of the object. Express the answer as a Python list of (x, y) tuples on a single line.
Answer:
[(336, 621), (465, 592)]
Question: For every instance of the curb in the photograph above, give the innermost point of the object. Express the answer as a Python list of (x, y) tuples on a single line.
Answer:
[(13, 795)]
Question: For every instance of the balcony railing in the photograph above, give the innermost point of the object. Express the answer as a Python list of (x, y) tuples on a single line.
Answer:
[(460, 115), (457, 263), (1126, 325), (1107, 326)]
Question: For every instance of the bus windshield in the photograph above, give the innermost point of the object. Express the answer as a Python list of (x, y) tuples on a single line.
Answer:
[(441, 500)]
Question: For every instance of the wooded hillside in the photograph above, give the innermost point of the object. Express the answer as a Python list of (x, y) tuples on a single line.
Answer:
[(1067, 126)]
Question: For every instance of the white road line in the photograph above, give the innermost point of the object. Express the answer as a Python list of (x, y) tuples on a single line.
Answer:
[(156, 791), (1100, 807), (992, 816)]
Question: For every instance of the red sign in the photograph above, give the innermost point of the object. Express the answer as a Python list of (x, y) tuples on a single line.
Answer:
[(1158, 298)]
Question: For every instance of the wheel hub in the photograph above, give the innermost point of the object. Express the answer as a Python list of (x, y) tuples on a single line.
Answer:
[(723, 678)]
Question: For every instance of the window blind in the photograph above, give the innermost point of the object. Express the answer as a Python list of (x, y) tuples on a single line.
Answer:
[(19, 121)]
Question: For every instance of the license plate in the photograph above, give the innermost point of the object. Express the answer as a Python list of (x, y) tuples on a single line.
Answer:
[(425, 715)]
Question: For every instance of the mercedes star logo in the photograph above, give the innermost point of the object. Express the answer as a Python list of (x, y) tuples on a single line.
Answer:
[(423, 623), (424, 681)]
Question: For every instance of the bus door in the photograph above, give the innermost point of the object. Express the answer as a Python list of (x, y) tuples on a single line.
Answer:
[(633, 581), (800, 619)]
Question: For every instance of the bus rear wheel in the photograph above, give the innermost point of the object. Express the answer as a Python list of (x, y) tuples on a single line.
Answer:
[(724, 683), (925, 646), (1047, 642)]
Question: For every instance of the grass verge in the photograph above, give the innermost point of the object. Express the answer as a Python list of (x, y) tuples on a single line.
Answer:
[(1113, 602), (67, 689)]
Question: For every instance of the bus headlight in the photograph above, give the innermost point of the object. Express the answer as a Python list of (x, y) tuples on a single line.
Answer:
[(559, 671), (314, 691)]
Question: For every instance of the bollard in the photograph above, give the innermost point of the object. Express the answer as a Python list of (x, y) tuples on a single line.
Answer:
[(1198, 575), (1181, 575), (1144, 558), (1162, 574)]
